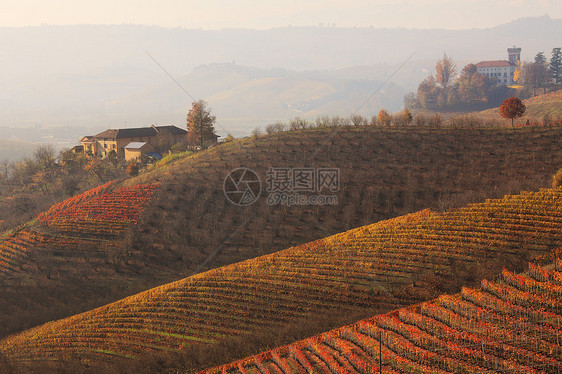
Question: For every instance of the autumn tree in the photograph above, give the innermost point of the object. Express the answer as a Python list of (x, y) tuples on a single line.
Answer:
[(133, 169), (200, 123), (517, 73), (427, 92), (512, 108), (445, 70), (473, 86), (384, 118)]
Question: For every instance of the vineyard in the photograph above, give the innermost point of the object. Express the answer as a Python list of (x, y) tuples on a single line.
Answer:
[(98, 213), (75, 241), (510, 326), (384, 173), (373, 269), (70, 229)]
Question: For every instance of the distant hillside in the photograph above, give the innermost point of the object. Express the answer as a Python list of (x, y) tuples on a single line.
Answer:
[(91, 75), (275, 299), (244, 97), (537, 108), (510, 325)]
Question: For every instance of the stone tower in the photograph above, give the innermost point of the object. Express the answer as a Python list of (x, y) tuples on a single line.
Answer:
[(514, 55)]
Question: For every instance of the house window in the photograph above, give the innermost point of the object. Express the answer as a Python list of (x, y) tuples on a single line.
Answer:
[(105, 145)]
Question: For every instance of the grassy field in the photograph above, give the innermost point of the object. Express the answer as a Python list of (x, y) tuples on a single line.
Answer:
[(240, 309)]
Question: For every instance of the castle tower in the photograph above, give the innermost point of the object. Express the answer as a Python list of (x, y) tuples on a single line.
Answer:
[(514, 55)]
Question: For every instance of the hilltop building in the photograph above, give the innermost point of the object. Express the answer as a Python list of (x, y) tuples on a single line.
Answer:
[(501, 72), (127, 142)]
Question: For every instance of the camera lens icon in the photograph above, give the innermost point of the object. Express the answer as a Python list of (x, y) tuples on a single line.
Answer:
[(242, 186)]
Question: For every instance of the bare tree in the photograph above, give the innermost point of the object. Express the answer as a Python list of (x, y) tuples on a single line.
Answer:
[(44, 156)]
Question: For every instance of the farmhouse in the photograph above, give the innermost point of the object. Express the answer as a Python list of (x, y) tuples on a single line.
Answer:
[(119, 140), (501, 72)]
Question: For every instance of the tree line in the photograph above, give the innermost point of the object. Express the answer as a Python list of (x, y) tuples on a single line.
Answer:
[(35, 183), (471, 89)]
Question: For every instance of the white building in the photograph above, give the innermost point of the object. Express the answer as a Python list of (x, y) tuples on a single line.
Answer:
[(501, 72)]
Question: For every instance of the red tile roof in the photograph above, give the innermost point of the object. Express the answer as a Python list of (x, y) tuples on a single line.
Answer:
[(493, 64)]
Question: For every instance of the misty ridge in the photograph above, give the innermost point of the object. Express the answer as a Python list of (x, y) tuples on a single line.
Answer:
[(62, 82)]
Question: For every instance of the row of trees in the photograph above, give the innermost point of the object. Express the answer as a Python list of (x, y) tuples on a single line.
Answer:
[(384, 118), (540, 73), (469, 88)]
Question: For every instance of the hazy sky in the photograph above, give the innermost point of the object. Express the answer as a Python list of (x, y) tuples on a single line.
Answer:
[(263, 14)]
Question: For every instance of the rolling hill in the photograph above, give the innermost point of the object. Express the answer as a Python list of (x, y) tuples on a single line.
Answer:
[(79, 256), (65, 259), (275, 299), (510, 325), (547, 106)]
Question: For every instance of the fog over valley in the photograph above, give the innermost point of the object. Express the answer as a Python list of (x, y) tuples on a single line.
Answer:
[(62, 82)]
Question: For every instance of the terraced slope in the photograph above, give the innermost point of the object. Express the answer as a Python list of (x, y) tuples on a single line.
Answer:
[(509, 326), (71, 228), (74, 262), (364, 271), (67, 259), (384, 173)]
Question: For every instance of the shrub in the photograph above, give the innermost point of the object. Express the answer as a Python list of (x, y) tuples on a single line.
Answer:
[(323, 121), (275, 127), (358, 120), (298, 123), (133, 168), (256, 132)]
